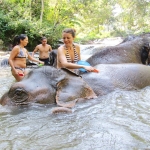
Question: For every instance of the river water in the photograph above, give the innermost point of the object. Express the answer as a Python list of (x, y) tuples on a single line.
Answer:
[(117, 121)]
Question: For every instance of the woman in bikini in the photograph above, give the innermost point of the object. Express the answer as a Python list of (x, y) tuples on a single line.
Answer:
[(18, 56), (69, 54)]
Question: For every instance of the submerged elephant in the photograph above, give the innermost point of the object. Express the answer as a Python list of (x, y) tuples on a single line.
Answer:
[(129, 51), (47, 85)]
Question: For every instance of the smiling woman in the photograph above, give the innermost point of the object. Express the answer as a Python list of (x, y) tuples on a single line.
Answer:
[(69, 53)]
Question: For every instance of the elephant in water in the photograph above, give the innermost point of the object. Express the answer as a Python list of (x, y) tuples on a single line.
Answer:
[(47, 85), (129, 51)]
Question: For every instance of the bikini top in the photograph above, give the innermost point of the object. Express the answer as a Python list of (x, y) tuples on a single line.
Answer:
[(21, 54), (76, 56)]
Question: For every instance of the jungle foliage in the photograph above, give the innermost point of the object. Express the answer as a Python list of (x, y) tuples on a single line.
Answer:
[(91, 18)]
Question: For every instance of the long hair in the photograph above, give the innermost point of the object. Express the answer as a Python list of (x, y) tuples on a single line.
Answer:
[(17, 39)]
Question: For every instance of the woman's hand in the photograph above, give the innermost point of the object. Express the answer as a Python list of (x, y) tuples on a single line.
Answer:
[(91, 69), (18, 73), (15, 71)]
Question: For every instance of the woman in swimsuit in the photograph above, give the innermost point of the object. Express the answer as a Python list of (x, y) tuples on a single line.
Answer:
[(18, 56), (69, 53)]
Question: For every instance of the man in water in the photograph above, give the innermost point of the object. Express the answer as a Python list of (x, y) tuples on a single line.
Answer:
[(43, 50)]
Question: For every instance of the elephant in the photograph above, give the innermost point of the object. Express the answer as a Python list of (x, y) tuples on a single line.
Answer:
[(129, 51), (49, 85)]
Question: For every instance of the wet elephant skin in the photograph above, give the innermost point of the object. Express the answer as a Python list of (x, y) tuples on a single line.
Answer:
[(128, 51), (47, 85)]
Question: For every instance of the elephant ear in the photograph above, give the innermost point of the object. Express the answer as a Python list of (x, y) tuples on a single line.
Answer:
[(72, 89)]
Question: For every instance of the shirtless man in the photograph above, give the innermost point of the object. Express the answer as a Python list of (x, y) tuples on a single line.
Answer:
[(44, 50)]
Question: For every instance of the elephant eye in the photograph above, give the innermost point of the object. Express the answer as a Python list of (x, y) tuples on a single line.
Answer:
[(18, 95), (19, 92)]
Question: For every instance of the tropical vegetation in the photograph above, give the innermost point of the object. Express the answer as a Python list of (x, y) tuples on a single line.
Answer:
[(92, 19)]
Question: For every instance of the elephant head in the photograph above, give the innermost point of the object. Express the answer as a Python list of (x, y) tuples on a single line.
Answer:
[(47, 85)]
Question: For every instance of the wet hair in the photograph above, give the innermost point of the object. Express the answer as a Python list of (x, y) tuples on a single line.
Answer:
[(17, 39), (70, 30), (43, 38)]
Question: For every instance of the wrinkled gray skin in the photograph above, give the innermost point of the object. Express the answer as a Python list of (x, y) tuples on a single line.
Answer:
[(118, 76), (47, 85), (129, 51)]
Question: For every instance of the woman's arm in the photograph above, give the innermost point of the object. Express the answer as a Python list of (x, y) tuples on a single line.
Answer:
[(33, 59)]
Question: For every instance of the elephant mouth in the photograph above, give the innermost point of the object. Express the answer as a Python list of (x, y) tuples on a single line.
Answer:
[(19, 96)]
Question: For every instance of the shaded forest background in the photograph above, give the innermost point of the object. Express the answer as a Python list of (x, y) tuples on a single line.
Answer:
[(92, 19)]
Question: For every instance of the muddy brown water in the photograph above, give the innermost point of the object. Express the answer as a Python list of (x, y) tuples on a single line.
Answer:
[(117, 121)]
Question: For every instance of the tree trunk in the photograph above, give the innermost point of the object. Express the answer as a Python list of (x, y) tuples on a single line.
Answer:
[(42, 9)]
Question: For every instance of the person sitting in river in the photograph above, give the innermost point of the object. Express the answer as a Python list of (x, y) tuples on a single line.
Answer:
[(18, 56), (44, 50), (69, 54)]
